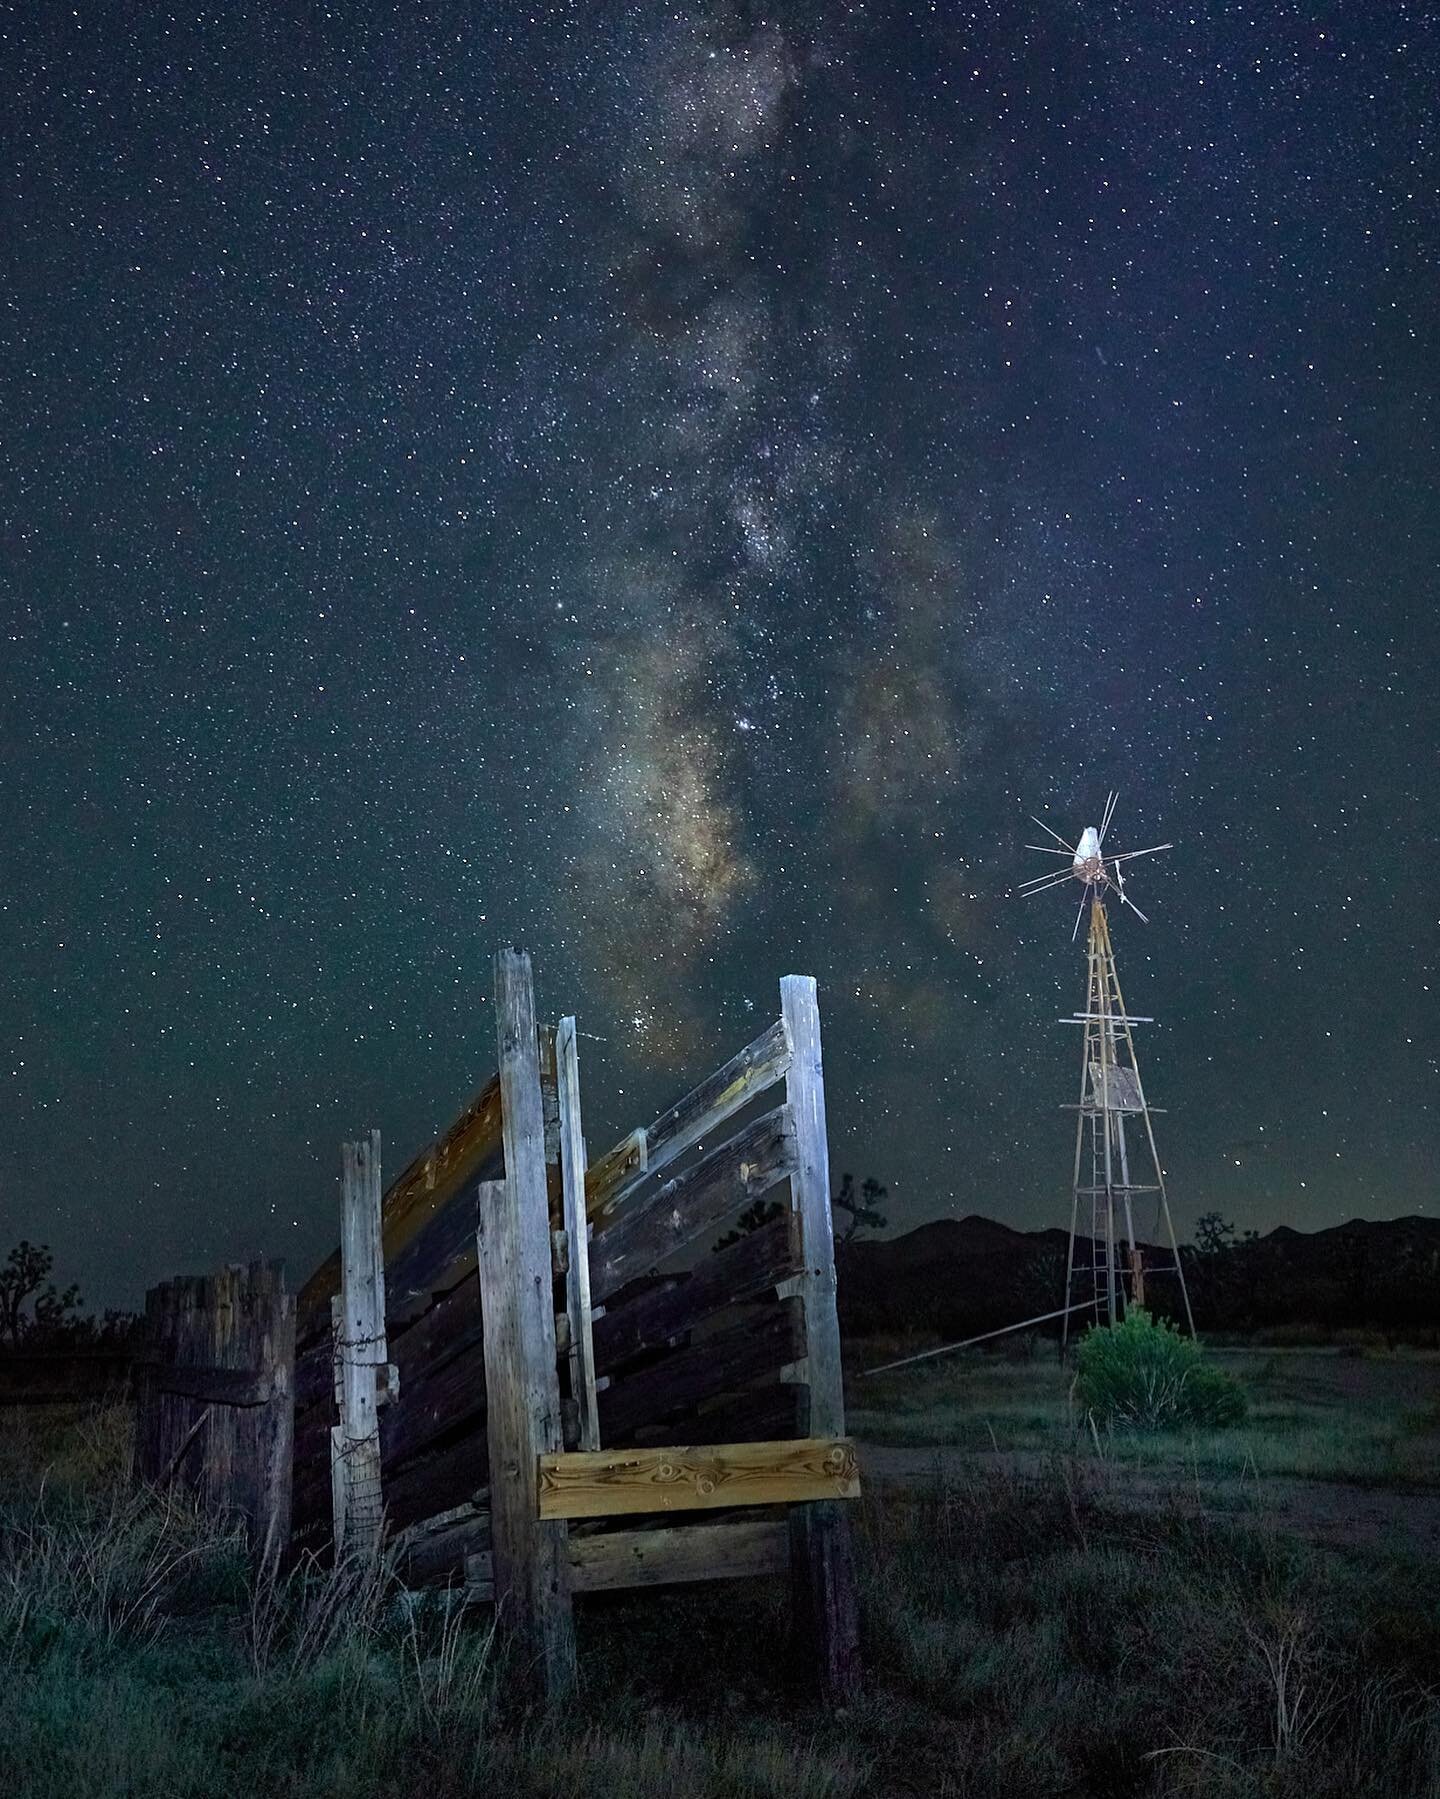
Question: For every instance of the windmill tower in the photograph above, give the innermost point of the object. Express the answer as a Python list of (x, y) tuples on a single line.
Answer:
[(1105, 1270)]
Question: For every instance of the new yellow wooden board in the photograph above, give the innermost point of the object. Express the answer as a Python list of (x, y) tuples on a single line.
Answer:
[(610, 1483)]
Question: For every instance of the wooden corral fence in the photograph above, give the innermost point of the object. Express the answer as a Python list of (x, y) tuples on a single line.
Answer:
[(214, 1402), (549, 1378)]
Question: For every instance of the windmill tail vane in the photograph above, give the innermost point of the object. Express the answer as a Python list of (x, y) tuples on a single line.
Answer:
[(1088, 863)]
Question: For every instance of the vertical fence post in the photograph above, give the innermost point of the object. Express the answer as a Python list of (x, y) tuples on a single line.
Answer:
[(517, 1304), (215, 1401), (826, 1613), (360, 1350), (274, 1328), (577, 1232)]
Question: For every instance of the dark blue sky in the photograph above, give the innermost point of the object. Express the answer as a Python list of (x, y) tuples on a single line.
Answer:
[(674, 487)]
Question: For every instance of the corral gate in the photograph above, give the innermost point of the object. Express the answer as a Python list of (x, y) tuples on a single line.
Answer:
[(551, 1383)]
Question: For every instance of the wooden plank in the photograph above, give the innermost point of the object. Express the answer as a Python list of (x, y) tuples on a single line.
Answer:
[(580, 1355), (763, 1413), (448, 1474), (746, 1075), (693, 1203), (611, 1483), (222, 1386), (522, 1386), (435, 1176), (215, 1405), (360, 1346), (669, 1556), (437, 1406), (827, 1609), (435, 1549), (758, 1344), (450, 1327), (746, 1270)]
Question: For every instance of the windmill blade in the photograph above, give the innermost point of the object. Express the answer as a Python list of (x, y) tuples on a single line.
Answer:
[(1080, 914), (1055, 834), (1042, 882), (1154, 850)]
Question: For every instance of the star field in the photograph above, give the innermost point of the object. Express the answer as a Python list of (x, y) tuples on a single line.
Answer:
[(675, 487)]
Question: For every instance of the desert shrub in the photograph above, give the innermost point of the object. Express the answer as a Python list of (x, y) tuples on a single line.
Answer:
[(1143, 1375)]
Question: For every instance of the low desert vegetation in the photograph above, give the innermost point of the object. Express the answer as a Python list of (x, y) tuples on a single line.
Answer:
[(1356, 1413), (1142, 1374), (1023, 1637)]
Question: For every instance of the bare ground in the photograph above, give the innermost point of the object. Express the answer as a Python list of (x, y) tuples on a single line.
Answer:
[(1337, 1514)]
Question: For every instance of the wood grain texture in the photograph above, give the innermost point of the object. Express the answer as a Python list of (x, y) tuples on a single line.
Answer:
[(522, 1387), (689, 1121), (360, 1348), (435, 1176), (580, 1345), (681, 1210), (215, 1397), (762, 1340), (650, 1319), (826, 1613), (734, 1550), (615, 1483)]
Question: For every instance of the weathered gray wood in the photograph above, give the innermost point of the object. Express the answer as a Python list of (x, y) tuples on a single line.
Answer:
[(679, 1553), (435, 1549), (215, 1398), (359, 1348), (580, 1354), (692, 1203), (826, 1611), (522, 1386), (760, 1343), (224, 1386), (433, 1408), (448, 1474), (690, 1120), (746, 1270)]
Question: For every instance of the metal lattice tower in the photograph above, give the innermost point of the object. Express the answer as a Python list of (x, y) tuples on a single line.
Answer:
[(1110, 1270)]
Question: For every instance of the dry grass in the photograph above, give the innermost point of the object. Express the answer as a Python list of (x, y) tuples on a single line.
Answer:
[(1023, 1637)]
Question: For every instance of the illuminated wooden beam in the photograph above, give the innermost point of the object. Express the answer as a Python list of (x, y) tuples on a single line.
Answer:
[(610, 1483)]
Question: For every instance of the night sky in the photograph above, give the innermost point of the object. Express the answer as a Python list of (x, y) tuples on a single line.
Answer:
[(674, 487)]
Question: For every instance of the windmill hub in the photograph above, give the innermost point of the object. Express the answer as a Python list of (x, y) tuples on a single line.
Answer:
[(1089, 864)]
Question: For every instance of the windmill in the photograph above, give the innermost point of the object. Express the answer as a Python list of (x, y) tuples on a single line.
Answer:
[(1111, 1093)]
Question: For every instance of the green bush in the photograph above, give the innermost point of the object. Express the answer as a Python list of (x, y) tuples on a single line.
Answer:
[(1143, 1375)]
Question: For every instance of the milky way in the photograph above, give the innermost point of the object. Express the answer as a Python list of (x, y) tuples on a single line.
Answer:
[(676, 488)]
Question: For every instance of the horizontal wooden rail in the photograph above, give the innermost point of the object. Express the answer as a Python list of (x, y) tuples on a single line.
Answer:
[(609, 1483), (434, 1177), (678, 1553), (610, 1180), (687, 1207)]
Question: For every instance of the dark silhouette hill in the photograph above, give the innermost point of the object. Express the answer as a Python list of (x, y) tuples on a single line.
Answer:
[(960, 1276)]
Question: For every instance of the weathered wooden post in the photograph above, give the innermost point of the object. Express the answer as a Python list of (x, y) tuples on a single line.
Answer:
[(215, 1396), (360, 1353), (532, 1588), (581, 1350), (827, 1616)]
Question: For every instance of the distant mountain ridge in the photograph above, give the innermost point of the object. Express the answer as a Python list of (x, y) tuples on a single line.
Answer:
[(961, 1276)]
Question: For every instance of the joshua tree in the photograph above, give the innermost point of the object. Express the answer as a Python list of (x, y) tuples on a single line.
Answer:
[(861, 1210), (25, 1283)]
